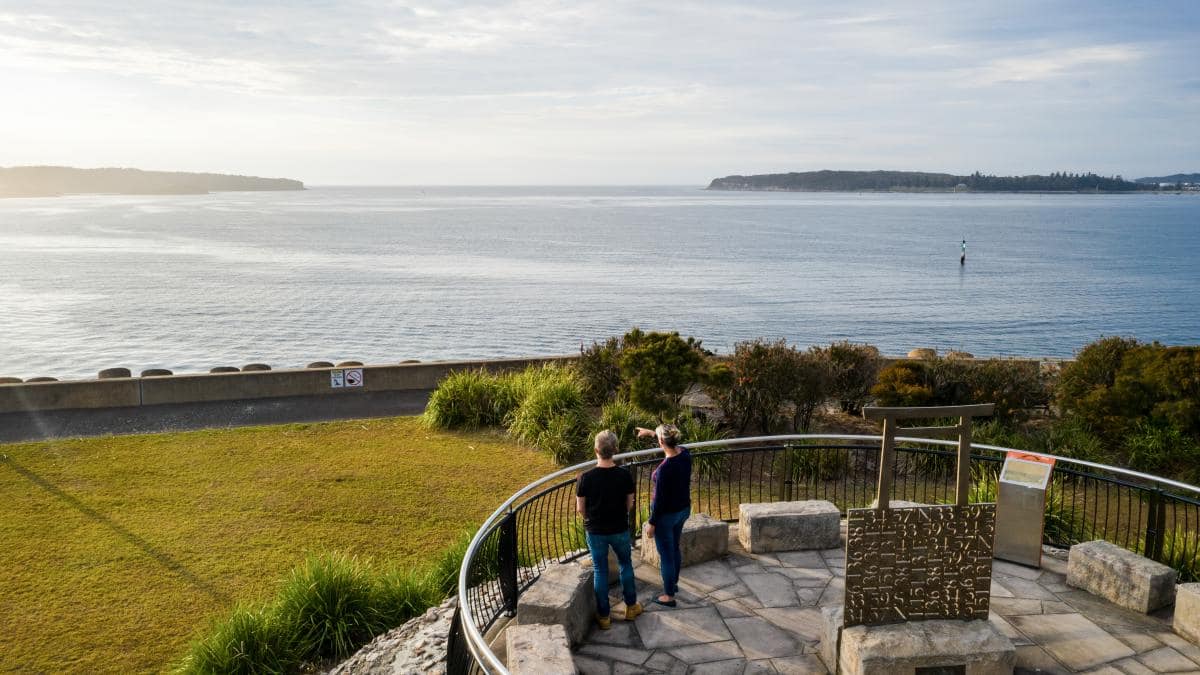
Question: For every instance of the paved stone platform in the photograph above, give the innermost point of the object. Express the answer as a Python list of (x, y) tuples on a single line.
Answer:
[(761, 613)]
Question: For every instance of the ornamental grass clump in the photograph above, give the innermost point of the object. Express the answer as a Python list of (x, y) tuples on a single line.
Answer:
[(249, 640), (552, 416), (467, 399), (330, 604)]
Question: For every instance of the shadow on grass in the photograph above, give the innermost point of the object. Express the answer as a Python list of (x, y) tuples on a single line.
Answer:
[(141, 544)]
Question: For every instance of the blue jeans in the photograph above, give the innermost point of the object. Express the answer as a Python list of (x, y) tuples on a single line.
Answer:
[(598, 544), (666, 539)]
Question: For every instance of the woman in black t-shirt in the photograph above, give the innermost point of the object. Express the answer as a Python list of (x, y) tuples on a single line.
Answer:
[(604, 497)]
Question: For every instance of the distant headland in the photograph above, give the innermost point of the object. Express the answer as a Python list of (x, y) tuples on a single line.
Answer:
[(56, 181), (919, 181)]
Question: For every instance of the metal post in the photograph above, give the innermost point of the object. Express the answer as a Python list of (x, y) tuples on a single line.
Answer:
[(458, 658), (508, 562), (1156, 522)]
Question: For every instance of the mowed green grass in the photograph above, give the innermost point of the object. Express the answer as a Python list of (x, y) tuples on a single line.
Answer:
[(115, 552)]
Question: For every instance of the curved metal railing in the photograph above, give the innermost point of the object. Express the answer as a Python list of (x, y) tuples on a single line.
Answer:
[(537, 525)]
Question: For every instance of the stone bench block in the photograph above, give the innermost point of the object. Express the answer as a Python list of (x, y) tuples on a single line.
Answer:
[(1187, 612), (538, 649), (904, 647), (704, 538), (1122, 577), (789, 526), (562, 595)]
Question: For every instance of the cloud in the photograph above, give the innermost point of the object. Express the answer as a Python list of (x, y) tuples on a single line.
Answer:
[(1055, 63)]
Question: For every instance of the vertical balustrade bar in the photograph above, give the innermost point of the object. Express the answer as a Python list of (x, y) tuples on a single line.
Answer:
[(1155, 523), (507, 552)]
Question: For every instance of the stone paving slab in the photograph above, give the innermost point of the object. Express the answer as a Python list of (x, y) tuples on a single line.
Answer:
[(1072, 639), (681, 627), (761, 613)]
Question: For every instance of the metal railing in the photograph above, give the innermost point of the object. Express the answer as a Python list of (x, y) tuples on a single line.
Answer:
[(538, 526)]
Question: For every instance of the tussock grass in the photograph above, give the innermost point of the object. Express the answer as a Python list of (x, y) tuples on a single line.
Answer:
[(117, 552)]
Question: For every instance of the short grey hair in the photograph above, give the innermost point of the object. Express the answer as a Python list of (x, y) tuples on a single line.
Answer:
[(606, 444)]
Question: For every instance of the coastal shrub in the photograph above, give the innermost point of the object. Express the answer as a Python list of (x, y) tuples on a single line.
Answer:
[(812, 380), (1084, 382), (658, 368), (552, 416), (599, 368), (854, 370), (467, 399), (402, 593), (1159, 447), (622, 418), (697, 429), (902, 384), (1015, 387), (247, 641), (810, 464), (329, 605), (752, 386)]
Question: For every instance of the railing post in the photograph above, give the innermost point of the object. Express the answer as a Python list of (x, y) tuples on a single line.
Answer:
[(1155, 523), (458, 657), (507, 554)]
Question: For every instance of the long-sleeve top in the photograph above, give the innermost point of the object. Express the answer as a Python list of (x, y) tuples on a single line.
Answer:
[(672, 486)]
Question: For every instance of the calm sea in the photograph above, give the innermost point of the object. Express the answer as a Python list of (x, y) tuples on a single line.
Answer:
[(386, 274)]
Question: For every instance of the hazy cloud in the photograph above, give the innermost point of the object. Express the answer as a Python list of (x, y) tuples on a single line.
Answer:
[(535, 91)]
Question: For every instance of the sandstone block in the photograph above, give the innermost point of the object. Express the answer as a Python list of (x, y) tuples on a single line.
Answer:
[(704, 538), (1187, 612), (832, 619), (1120, 576), (904, 647), (562, 595), (789, 526), (539, 649)]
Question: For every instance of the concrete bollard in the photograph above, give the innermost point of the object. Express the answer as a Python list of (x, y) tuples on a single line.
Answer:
[(112, 373), (320, 364), (251, 367), (42, 379), (349, 364), (225, 369), (156, 372), (11, 380)]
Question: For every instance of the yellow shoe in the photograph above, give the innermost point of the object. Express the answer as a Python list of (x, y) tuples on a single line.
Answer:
[(632, 611), (604, 622)]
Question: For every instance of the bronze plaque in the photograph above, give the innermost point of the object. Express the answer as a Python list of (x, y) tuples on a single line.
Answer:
[(928, 562)]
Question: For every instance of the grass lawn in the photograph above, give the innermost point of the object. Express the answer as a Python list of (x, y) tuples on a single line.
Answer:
[(116, 551)]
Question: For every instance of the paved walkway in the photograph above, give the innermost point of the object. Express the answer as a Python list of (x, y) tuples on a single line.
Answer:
[(755, 613)]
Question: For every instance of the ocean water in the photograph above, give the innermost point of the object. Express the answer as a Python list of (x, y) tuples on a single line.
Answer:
[(385, 274)]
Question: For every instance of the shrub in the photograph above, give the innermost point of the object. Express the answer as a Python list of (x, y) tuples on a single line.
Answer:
[(328, 604), (622, 418), (552, 416), (902, 384), (401, 594), (464, 400), (1014, 387), (694, 429), (1181, 550), (1086, 379), (816, 464), (754, 384), (659, 368), (599, 369), (854, 369), (811, 383), (1159, 447), (248, 640)]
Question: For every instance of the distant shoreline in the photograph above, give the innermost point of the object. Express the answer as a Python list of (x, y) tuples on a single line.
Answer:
[(31, 182)]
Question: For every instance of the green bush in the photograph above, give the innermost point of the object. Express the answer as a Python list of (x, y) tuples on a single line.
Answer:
[(1181, 550), (694, 429), (812, 381), (752, 386), (814, 464), (622, 418), (1085, 381), (854, 370), (1015, 387), (1159, 447), (659, 368), (552, 416), (249, 640), (902, 384), (466, 399), (329, 604), (599, 368)]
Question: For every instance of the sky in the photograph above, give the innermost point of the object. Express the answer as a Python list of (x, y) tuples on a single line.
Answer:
[(543, 92)]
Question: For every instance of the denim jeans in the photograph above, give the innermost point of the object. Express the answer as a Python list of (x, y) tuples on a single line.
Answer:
[(598, 544), (666, 539)]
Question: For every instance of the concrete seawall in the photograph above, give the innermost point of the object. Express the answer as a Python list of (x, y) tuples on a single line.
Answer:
[(149, 391), (44, 410)]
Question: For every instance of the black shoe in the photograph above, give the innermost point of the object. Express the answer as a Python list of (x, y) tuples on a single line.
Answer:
[(665, 603)]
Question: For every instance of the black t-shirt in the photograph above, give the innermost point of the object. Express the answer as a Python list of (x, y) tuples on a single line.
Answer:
[(605, 492)]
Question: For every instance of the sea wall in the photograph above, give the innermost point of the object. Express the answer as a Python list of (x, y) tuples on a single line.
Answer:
[(266, 384)]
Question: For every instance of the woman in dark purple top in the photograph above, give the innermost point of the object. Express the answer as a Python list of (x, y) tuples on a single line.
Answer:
[(670, 506)]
